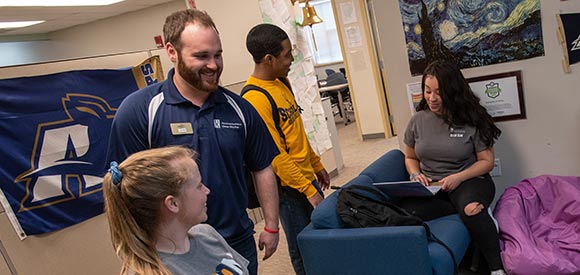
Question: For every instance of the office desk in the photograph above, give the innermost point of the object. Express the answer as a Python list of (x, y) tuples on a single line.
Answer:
[(333, 87), (338, 89)]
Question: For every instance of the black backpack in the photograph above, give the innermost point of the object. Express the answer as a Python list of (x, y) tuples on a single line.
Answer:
[(364, 206), (253, 201)]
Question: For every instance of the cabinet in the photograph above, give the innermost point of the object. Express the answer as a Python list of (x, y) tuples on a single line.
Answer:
[(332, 159)]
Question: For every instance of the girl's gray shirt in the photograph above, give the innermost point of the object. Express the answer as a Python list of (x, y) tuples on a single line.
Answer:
[(442, 150), (208, 254)]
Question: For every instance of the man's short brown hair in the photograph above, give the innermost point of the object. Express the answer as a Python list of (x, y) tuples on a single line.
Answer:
[(175, 24)]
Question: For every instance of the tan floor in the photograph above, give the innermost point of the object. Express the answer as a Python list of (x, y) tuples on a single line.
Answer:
[(357, 155)]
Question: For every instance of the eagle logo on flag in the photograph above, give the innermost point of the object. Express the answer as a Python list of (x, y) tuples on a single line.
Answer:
[(62, 161)]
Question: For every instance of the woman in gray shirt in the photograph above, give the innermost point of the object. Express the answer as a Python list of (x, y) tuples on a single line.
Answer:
[(155, 203), (450, 140)]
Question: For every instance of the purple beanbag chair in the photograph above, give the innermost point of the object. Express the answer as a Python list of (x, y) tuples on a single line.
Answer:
[(539, 226)]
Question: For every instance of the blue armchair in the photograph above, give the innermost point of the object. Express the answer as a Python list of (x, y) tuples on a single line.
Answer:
[(327, 248)]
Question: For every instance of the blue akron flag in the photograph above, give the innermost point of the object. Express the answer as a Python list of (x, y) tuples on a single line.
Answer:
[(55, 131), (571, 28)]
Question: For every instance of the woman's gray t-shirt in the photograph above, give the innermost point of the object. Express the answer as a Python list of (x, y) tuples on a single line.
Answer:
[(442, 150), (208, 254)]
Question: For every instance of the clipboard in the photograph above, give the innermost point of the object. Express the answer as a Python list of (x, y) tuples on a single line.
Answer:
[(407, 188)]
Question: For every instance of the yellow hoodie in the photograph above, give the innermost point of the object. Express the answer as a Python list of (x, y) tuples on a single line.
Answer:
[(295, 168)]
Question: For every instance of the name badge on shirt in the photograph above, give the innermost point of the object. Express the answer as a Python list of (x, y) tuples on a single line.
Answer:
[(183, 128), (456, 133)]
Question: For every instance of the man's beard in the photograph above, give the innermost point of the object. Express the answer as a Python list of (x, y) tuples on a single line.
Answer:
[(193, 77)]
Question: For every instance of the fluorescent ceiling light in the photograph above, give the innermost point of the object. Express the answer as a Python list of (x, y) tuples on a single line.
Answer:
[(56, 3), (19, 24)]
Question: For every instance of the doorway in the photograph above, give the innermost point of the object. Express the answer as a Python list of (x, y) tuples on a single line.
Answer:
[(376, 41)]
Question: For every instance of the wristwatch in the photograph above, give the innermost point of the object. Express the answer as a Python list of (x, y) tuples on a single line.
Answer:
[(414, 175)]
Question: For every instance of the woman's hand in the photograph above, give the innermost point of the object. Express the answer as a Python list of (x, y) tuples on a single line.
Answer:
[(450, 182), (412, 165), (422, 179), (483, 165)]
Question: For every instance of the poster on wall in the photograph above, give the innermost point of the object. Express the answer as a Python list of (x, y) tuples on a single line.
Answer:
[(414, 95), (55, 130), (471, 33)]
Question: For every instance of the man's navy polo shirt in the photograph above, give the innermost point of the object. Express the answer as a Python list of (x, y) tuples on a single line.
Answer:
[(222, 138)]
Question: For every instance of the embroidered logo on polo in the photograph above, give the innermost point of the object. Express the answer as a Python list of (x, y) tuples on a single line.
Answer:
[(218, 124)]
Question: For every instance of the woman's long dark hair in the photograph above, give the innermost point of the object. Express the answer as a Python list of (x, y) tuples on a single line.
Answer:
[(460, 105)]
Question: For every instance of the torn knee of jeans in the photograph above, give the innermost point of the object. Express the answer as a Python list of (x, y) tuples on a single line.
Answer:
[(473, 208)]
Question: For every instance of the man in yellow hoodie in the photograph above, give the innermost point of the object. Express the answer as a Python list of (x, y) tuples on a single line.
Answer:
[(301, 174)]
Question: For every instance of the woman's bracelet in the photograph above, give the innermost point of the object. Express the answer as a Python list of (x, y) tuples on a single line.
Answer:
[(272, 231), (414, 175)]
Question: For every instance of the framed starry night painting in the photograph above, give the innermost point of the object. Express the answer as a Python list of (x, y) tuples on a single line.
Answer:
[(472, 33)]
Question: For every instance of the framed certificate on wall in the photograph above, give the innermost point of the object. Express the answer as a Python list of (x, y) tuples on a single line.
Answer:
[(501, 94)]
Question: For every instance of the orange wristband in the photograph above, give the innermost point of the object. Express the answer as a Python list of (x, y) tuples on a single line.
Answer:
[(272, 231)]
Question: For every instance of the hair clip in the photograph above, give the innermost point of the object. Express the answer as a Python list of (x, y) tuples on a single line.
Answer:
[(116, 174)]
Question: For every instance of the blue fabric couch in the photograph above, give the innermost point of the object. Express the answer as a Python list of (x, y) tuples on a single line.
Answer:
[(327, 248)]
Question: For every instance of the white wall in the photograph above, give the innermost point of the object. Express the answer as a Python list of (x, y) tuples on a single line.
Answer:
[(544, 143), (130, 32), (26, 52), (135, 31), (234, 19)]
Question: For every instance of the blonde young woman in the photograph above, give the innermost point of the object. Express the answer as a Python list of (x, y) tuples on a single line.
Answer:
[(156, 203)]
